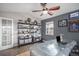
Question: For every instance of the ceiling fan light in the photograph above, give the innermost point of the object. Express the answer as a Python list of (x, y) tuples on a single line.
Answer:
[(45, 12)]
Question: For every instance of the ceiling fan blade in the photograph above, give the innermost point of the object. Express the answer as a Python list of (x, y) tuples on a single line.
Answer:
[(55, 8), (50, 13), (41, 14), (37, 11)]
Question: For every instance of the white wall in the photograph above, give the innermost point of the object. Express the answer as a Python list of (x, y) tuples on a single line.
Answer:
[(16, 15), (15, 35), (0, 33)]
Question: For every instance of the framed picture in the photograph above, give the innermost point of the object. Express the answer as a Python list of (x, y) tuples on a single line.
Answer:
[(62, 23), (74, 26), (74, 15)]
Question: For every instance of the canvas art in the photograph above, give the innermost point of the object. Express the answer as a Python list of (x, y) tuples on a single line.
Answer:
[(74, 26)]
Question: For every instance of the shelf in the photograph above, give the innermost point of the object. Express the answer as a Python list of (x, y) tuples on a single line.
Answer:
[(30, 24), (25, 28), (24, 38), (23, 33)]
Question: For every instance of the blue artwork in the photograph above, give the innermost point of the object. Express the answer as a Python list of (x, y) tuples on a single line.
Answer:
[(74, 26)]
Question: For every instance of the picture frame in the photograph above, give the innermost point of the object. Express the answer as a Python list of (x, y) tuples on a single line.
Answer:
[(62, 23), (74, 15), (74, 26)]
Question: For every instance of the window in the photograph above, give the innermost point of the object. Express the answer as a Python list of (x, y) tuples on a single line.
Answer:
[(50, 28)]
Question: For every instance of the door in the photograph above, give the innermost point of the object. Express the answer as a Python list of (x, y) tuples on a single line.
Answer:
[(6, 29)]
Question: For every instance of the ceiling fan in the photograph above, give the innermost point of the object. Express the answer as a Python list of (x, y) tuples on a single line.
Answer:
[(46, 10)]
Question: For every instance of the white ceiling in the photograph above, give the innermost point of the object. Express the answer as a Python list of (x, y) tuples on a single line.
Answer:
[(28, 7)]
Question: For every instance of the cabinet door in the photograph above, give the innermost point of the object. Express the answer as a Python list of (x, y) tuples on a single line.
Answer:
[(6, 33)]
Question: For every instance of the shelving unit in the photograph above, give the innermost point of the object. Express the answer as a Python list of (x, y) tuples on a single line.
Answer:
[(28, 32), (36, 33)]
